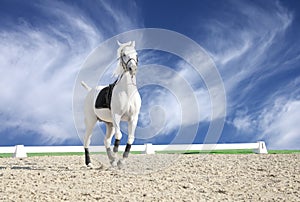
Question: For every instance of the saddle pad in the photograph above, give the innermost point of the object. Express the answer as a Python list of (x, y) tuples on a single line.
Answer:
[(104, 97)]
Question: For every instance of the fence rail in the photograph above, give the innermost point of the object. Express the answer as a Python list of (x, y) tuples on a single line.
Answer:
[(21, 150)]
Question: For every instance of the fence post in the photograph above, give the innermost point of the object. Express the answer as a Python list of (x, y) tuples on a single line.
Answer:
[(149, 149), (20, 152), (262, 149)]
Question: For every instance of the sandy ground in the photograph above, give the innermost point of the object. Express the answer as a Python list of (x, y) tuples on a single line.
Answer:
[(163, 177)]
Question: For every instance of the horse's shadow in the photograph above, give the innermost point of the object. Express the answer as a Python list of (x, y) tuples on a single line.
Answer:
[(25, 168)]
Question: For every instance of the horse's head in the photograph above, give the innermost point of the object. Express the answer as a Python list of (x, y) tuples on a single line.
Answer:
[(128, 57)]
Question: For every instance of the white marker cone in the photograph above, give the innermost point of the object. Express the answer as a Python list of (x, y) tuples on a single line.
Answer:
[(20, 152)]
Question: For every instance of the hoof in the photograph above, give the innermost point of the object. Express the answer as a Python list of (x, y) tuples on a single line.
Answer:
[(114, 163), (90, 165), (121, 163)]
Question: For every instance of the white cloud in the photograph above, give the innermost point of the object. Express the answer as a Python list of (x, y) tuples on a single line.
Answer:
[(36, 84), (244, 49), (126, 18), (192, 77), (174, 96), (243, 124), (280, 124), (277, 122), (247, 54)]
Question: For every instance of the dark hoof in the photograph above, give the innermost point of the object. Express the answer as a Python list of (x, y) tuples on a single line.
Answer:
[(90, 165), (121, 163), (125, 154)]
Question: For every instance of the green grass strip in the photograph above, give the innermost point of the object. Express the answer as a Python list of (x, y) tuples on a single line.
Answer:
[(231, 151), (283, 151), (5, 155), (52, 154)]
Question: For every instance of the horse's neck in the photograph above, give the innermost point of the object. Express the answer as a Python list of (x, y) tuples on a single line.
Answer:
[(119, 70), (127, 82)]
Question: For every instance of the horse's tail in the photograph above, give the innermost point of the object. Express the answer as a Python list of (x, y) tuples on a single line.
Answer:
[(86, 86)]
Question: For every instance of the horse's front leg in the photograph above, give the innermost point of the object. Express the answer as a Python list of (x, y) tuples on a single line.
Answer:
[(118, 135), (131, 130), (107, 141)]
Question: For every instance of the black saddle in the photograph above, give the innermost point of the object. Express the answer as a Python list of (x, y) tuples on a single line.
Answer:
[(104, 97)]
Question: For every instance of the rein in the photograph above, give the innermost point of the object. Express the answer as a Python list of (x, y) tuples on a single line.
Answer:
[(119, 79)]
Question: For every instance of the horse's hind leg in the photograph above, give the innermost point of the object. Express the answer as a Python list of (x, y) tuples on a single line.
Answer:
[(89, 124)]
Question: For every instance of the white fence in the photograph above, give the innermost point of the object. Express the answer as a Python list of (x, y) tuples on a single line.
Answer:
[(21, 150)]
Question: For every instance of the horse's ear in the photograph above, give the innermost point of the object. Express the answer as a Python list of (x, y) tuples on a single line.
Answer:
[(133, 43), (119, 43)]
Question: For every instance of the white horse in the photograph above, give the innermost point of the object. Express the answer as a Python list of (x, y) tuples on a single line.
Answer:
[(125, 106)]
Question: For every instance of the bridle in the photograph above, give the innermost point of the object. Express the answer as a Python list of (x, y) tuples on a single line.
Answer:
[(125, 66), (124, 63)]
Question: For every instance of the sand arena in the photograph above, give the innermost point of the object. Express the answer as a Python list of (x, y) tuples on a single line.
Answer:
[(159, 177)]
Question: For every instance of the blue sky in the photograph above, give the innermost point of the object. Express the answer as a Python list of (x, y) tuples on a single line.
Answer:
[(254, 44)]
